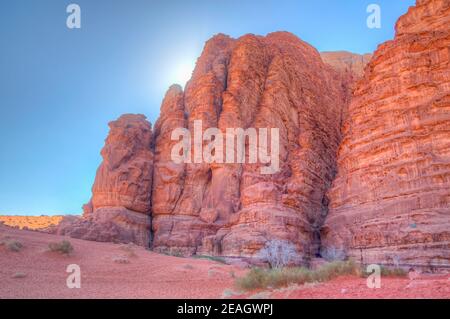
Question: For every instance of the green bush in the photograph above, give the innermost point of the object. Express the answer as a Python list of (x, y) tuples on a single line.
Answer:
[(393, 272), (63, 247), (175, 252), (335, 269), (282, 277), (258, 278), (213, 258)]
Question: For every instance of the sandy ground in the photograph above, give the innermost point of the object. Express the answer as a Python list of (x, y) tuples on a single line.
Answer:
[(151, 275), (147, 275)]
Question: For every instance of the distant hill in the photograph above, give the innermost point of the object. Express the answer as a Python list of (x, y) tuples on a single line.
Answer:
[(30, 222)]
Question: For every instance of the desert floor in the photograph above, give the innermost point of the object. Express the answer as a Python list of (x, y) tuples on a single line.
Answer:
[(118, 271)]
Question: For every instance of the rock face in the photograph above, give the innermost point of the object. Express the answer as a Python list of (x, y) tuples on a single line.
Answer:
[(124, 179), (344, 61), (391, 199), (226, 209), (119, 210)]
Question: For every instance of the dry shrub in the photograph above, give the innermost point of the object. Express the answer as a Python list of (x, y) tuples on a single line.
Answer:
[(121, 260), (63, 247), (282, 277), (278, 253), (129, 249), (11, 244), (212, 258)]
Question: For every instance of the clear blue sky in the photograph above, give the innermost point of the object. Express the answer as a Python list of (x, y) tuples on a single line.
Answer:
[(59, 88)]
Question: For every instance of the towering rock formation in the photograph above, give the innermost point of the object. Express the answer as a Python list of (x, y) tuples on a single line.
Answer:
[(119, 210), (124, 179), (229, 208), (391, 199), (276, 81)]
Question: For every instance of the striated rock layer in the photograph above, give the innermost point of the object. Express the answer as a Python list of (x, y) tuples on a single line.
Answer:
[(119, 210), (277, 81), (390, 201)]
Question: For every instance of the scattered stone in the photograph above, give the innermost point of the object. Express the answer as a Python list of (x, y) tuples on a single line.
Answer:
[(19, 275)]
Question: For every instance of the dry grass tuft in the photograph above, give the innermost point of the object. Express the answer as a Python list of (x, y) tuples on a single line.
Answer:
[(11, 244), (121, 260), (63, 247), (258, 278)]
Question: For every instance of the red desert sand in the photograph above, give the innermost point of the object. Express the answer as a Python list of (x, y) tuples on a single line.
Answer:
[(145, 274)]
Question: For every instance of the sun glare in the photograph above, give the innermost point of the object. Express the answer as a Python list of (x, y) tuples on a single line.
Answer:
[(182, 73)]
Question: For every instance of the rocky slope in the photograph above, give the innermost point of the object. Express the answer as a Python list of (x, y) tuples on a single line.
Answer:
[(391, 199)]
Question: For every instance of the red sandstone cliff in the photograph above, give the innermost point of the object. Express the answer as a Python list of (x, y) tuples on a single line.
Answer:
[(276, 81), (391, 199)]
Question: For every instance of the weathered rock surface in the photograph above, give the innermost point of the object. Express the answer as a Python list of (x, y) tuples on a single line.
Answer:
[(124, 179), (343, 61), (108, 224), (276, 81), (391, 199), (119, 210)]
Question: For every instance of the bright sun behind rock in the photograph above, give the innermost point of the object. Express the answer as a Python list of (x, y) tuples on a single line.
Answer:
[(182, 73)]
